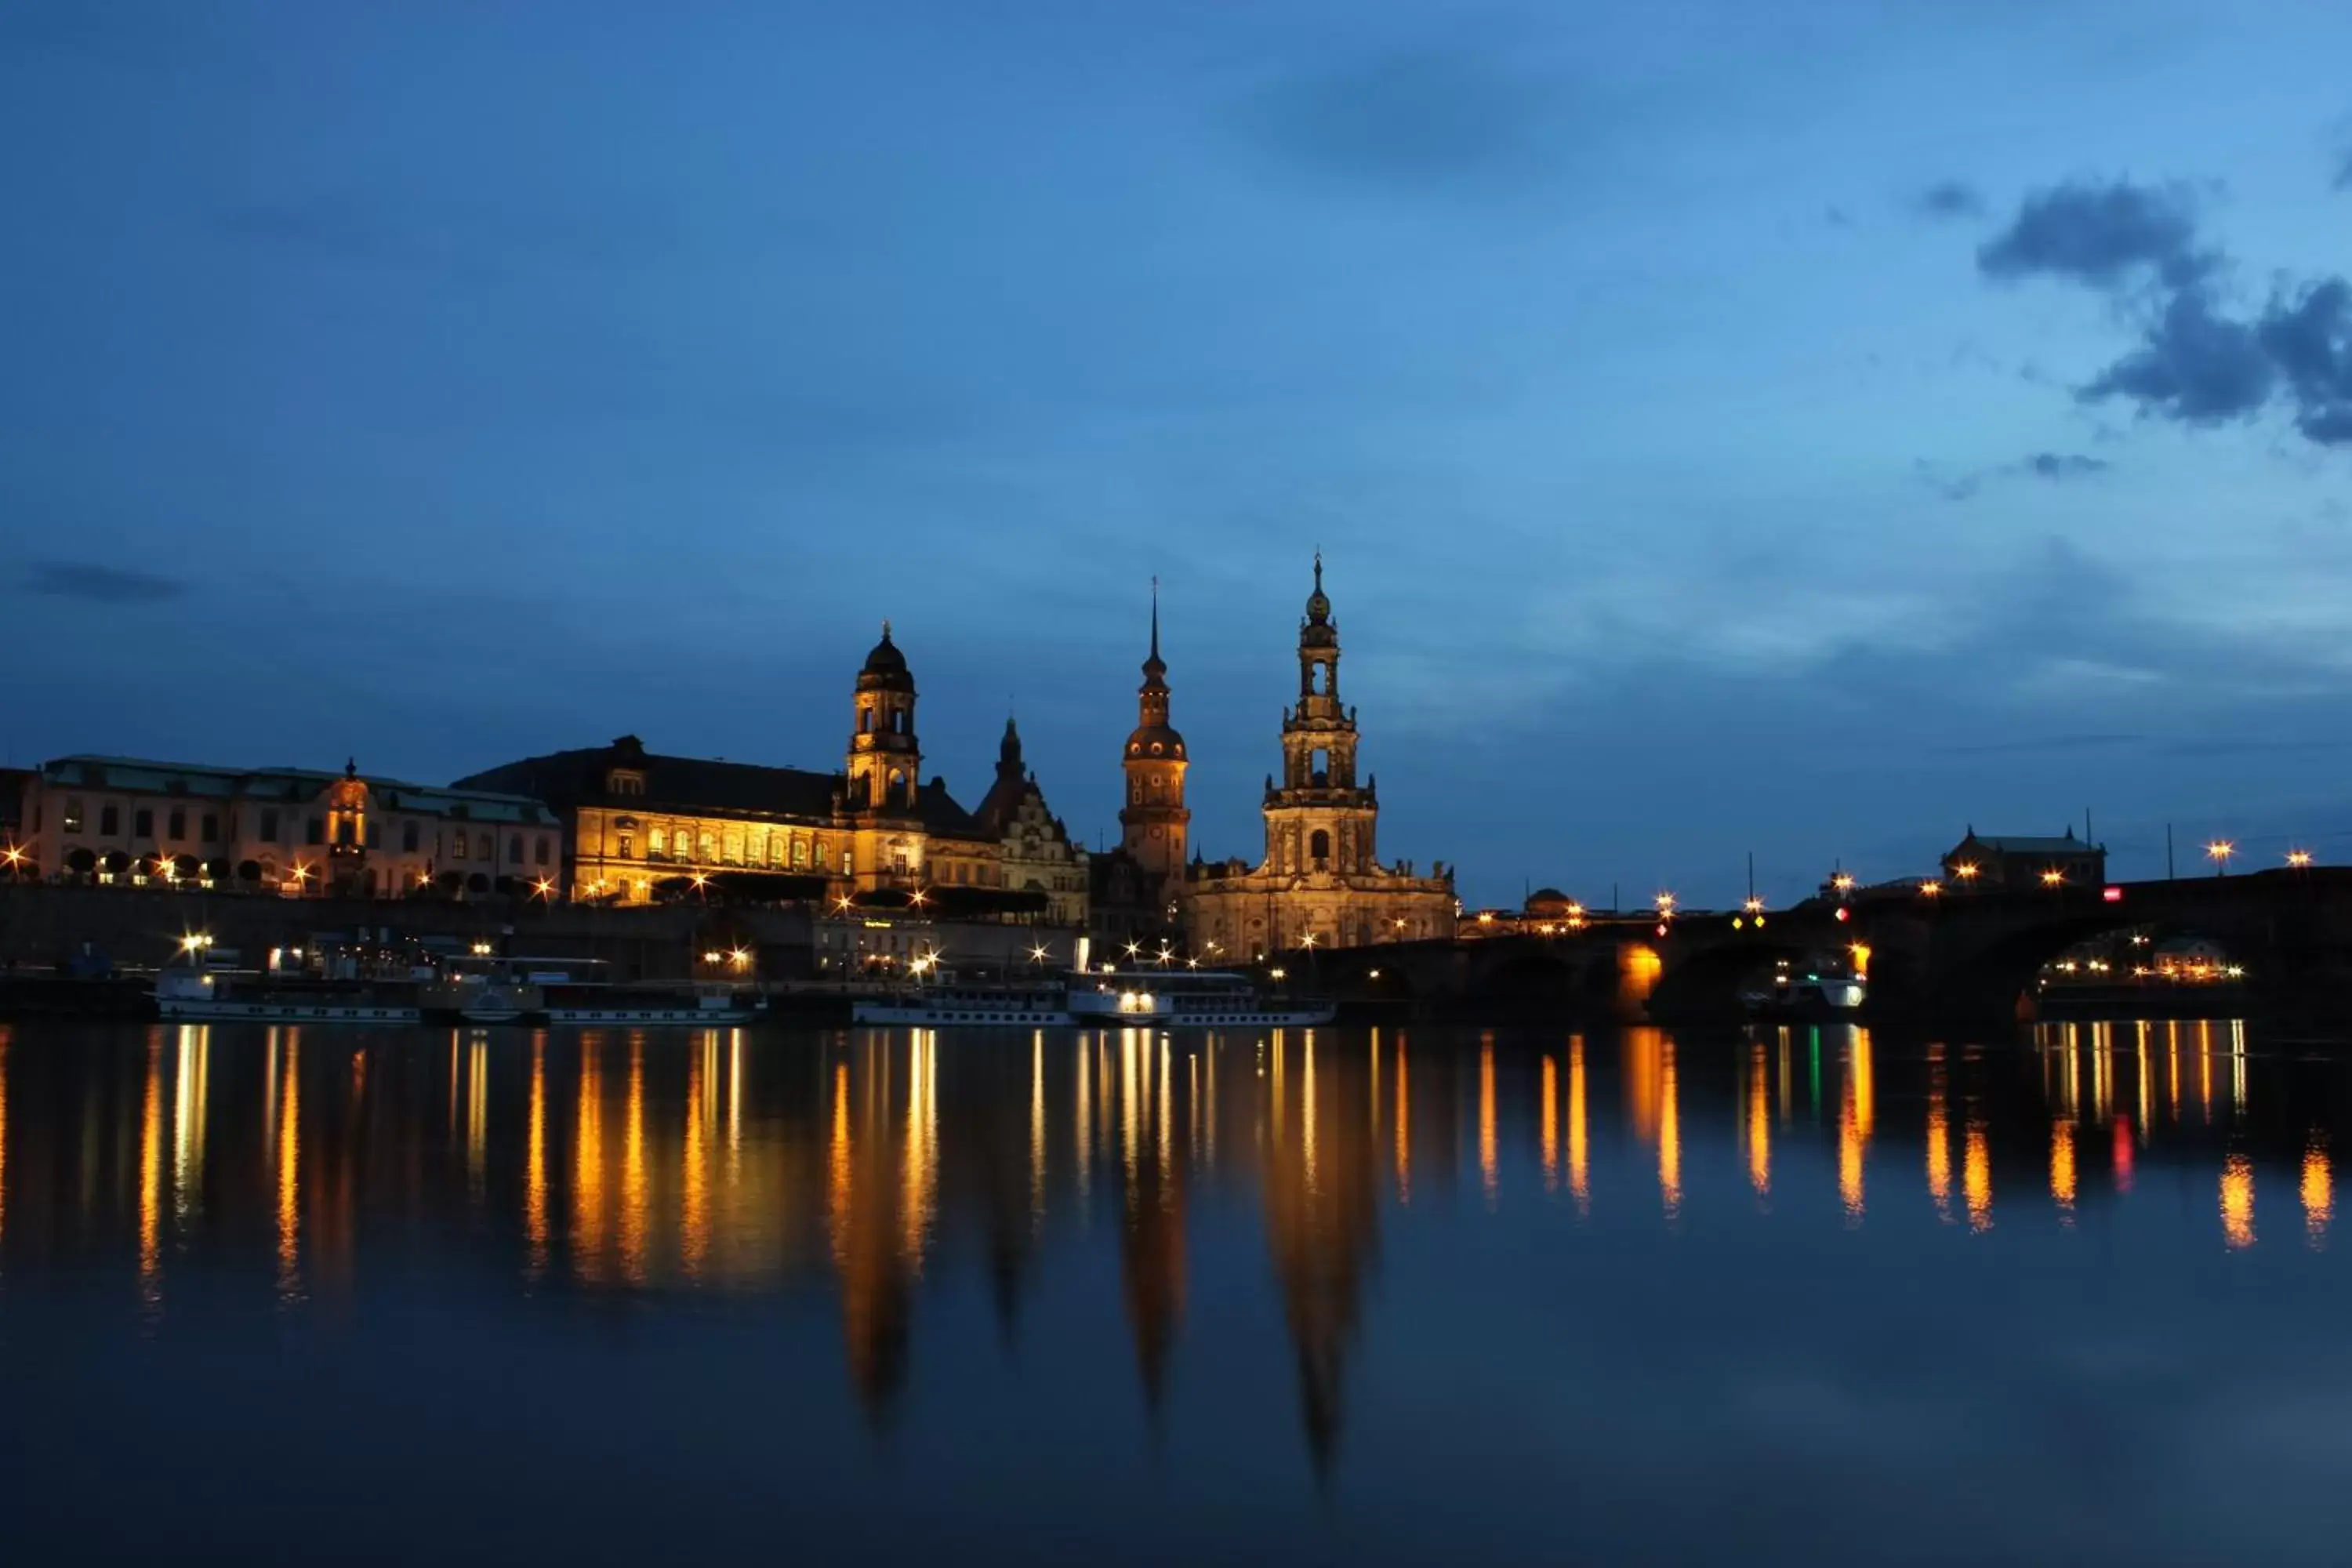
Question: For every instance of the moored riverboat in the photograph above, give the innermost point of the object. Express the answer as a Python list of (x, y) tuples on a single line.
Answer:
[(1161, 999)]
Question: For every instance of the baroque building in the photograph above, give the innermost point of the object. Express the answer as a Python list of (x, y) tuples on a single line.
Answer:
[(1321, 882), (125, 822), (1038, 857), (640, 826)]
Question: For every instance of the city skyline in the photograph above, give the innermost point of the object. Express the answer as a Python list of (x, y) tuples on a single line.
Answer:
[(534, 383)]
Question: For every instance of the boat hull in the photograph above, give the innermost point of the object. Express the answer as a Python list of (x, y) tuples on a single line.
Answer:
[(921, 1018)]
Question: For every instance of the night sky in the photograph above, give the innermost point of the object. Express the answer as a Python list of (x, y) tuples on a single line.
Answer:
[(1805, 428)]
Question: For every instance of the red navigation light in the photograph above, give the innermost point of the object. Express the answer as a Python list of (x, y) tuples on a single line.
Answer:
[(1844, 914), (2113, 895)]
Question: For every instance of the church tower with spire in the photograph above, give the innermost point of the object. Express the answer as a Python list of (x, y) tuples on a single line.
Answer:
[(1321, 882), (1154, 822)]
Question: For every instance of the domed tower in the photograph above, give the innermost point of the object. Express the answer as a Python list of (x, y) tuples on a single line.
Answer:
[(1154, 822), (885, 760)]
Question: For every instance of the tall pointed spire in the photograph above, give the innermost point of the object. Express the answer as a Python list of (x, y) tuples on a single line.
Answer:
[(1155, 668), (1155, 616)]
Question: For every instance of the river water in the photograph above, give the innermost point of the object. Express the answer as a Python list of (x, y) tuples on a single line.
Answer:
[(1805, 1296)]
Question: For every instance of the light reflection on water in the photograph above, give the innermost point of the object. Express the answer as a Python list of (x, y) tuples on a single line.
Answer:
[(1205, 1211)]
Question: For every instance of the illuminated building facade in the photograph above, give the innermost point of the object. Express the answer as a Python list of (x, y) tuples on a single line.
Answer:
[(1039, 857), (2012, 862), (639, 825), (1321, 882), (124, 822)]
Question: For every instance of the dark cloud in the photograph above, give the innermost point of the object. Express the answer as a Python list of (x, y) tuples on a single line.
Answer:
[(2101, 234), (99, 584), (2055, 467), (2065, 466), (2193, 365), (2310, 339), (1431, 118), (1950, 199), (2196, 362)]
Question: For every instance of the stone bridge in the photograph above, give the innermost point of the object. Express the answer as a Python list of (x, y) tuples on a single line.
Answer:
[(1962, 954)]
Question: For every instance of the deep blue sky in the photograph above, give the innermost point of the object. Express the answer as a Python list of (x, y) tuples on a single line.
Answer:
[(1810, 428)]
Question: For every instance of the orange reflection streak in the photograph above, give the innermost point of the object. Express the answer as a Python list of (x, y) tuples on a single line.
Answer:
[(453, 1076), (2318, 1193), (2238, 1202), (1548, 1125), (2172, 1054), (1167, 1157), (734, 1103), (534, 1174), (1580, 1149), (1759, 1123), (2146, 1095), (1487, 1174), (694, 1186), (836, 1169), (290, 1173), (633, 1168), (1127, 1124), (478, 1116), (922, 1144), (1976, 1175), (588, 1165), (1306, 1116), (2205, 1071), (1037, 1130), (1209, 1119), (1670, 1135), (1403, 1130), (1081, 1153), (1940, 1134), (151, 1177), (1857, 1114), (2238, 1067), (188, 1097), (2061, 1169)]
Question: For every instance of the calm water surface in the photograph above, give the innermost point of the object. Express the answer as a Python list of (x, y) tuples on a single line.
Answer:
[(1809, 1296)]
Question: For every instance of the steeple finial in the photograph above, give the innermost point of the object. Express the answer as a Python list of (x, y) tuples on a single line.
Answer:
[(885, 628), (1155, 614), (1318, 568)]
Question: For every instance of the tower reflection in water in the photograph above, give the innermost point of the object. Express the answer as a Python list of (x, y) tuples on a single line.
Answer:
[(875, 1165)]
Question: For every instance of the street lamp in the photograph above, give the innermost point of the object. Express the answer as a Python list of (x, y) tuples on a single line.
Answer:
[(1754, 906), (1965, 871), (2298, 858), (2052, 878), (1666, 902), (1931, 888), (1843, 882), (2219, 852)]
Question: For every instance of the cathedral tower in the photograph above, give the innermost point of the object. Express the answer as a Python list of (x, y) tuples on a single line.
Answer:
[(885, 760), (1154, 822), (1316, 819)]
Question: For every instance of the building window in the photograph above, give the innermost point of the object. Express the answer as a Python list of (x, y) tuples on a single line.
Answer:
[(374, 836), (110, 820), (346, 831), (208, 828), (456, 846), (820, 857), (628, 848), (314, 831), (142, 823), (1320, 848), (484, 849), (408, 838), (800, 852), (73, 815), (514, 848), (175, 827), (268, 826), (705, 847)]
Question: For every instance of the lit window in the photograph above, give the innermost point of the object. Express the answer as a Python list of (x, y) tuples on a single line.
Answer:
[(456, 846), (73, 815)]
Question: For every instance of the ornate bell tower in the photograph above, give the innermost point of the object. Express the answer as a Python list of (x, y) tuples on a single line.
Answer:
[(1154, 822), (1317, 821)]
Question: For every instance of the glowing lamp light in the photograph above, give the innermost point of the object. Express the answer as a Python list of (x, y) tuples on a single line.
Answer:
[(1966, 871), (1931, 889), (1842, 882), (2298, 858), (2219, 851), (1666, 902), (2111, 895), (1754, 906), (1844, 914), (711, 956), (1661, 928), (2053, 877), (1310, 940), (1279, 973)]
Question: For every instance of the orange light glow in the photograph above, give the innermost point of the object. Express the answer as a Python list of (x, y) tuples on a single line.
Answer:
[(2318, 1193), (1966, 871), (1579, 1150), (2061, 1169), (1976, 1177), (2238, 1202)]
